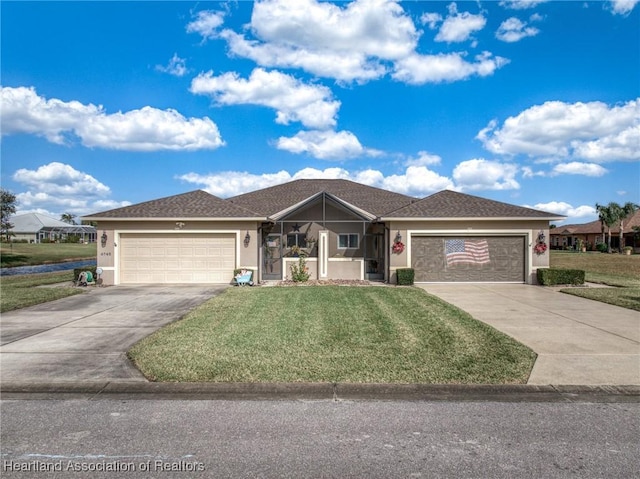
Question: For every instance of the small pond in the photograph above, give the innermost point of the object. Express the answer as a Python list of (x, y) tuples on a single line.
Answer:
[(46, 268)]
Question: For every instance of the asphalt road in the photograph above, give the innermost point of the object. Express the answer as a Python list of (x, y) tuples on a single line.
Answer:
[(319, 439)]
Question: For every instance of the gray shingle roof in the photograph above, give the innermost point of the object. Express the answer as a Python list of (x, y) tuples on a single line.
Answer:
[(269, 201), (451, 204), (275, 199), (195, 204), (34, 222)]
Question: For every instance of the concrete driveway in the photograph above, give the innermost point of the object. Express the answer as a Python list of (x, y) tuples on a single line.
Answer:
[(85, 337), (578, 341)]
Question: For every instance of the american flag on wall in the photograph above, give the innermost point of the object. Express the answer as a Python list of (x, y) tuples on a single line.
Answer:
[(459, 251)]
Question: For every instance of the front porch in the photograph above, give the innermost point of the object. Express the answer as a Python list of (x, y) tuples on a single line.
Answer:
[(337, 240)]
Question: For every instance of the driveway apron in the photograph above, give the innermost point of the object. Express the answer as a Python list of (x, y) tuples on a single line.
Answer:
[(84, 338), (578, 341)]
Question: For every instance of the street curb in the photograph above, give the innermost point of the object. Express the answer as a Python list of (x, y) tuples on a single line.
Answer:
[(318, 391)]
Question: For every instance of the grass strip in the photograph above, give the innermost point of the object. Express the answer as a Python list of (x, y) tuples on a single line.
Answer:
[(22, 291), (331, 334), (624, 297)]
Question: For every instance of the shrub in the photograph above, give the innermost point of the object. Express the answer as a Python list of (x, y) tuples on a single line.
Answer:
[(405, 276), (602, 247), (550, 277), (300, 272)]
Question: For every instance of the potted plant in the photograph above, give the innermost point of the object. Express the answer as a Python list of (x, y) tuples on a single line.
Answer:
[(627, 250), (582, 245)]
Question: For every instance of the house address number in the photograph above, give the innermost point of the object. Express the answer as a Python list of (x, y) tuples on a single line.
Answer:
[(105, 254)]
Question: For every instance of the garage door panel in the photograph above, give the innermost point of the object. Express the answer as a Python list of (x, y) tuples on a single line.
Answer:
[(177, 258), (468, 259)]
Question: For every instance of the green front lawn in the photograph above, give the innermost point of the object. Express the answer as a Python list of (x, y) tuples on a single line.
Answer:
[(27, 254), (22, 291), (617, 270), (331, 334)]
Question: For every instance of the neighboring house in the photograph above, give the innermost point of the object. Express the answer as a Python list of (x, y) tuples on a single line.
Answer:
[(36, 227), (592, 234), (347, 230)]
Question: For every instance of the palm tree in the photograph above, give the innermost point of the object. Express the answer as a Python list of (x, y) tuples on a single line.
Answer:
[(608, 217), (68, 218), (625, 211)]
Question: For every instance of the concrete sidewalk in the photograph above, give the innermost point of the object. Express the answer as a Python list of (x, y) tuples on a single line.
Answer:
[(85, 338), (578, 341)]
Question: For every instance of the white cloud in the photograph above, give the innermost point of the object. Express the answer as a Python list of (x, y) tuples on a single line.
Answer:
[(206, 24), (521, 4), (578, 168), (592, 131), (312, 105), (347, 43), (60, 179), (358, 42), (415, 181), (623, 7), (431, 19), (481, 174), (582, 213), (325, 145), (419, 69), (58, 188), (458, 27), (514, 30), (177, 66), (146, 129), (424, 158)]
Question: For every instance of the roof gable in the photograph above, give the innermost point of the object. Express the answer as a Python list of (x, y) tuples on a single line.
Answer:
[(194, 204), (451, 204), (273, 200)]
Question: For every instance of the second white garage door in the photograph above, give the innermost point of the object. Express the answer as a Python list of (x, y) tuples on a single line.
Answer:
[(177, 258)]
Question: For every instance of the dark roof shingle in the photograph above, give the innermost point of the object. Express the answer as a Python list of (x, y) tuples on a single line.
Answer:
[(451, 204), (275, 199), (195, 204)]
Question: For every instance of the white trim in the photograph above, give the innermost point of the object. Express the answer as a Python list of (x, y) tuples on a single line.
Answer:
[(323, 253), (347, 234), (175, 218), (473, 218), (117, 239), (526, 233)]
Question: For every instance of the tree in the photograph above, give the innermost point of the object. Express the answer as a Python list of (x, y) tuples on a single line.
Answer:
[(625, 211), (610, 215), (68, 218), (607, 217), (8, 201)]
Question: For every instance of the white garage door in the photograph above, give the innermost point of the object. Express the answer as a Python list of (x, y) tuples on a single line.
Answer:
[(177, 258)]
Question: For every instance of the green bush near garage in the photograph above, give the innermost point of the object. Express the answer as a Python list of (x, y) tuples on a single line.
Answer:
[(405, 276), (552, 277)]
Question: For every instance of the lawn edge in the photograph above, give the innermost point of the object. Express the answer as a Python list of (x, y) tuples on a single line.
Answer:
[(142, 390)]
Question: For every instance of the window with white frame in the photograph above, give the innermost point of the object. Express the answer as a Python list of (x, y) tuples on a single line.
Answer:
[(348, 241)]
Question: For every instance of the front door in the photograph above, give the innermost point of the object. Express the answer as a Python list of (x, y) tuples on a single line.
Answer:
[(272, 257)]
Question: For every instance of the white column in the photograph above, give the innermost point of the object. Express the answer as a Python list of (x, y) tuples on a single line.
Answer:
[(323, 253)]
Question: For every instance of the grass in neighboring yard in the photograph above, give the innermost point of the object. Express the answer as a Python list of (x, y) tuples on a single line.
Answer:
[(21, 291), (617, 270), (27, 254), (331, 334)]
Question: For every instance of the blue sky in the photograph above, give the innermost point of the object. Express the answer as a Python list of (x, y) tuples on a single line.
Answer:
[(535, 103)]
